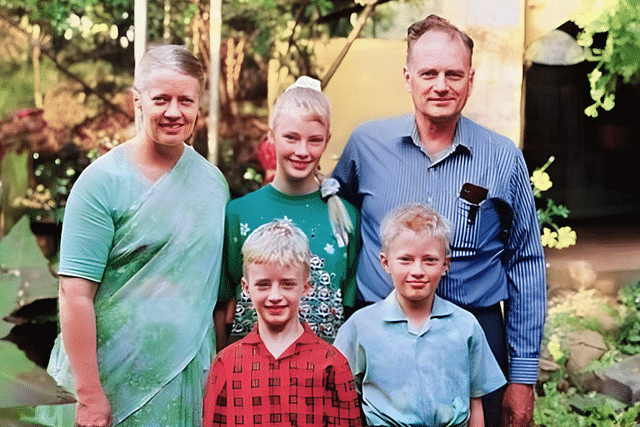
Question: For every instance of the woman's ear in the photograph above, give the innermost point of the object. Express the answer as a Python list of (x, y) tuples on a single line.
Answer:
[(136, 99)]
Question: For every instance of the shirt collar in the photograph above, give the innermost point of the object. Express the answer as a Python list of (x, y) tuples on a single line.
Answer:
[(461, 138), (307, 337), (391, 311)]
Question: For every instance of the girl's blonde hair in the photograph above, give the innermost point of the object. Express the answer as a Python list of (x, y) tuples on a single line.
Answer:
[(311, 103)]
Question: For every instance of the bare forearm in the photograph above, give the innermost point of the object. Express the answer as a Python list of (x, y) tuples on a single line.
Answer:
[(78, 326), (476, 414)]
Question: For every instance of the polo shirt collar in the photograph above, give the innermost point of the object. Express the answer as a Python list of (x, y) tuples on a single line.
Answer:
[(461, 137), (391, 311)]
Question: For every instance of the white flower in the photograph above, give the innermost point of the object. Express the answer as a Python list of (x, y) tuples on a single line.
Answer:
[(329, 249), (244, 229)]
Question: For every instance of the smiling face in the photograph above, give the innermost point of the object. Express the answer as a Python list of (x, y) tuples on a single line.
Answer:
[(299, 144), (169, 105), (275, 291), (439, 76), (415, 264)]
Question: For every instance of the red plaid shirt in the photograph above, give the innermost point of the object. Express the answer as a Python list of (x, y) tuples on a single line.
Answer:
[(310, 384)]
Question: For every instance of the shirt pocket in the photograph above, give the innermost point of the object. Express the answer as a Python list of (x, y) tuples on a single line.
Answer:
[(485, 225)]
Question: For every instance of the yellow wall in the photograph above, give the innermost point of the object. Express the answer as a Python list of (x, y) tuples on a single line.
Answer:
[(369, 82)]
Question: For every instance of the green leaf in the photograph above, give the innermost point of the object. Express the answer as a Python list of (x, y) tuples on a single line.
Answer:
[(23, 383), (24, 274)]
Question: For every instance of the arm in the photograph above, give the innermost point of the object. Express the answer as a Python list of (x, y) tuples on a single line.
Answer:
[(78, 326), (215, 399), (346, 173), (517, 405), (230, 273), (343, 395), (525, 309), (349, 283), (476, 415)]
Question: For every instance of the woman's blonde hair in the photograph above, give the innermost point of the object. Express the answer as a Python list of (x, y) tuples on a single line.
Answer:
[(172, 57)]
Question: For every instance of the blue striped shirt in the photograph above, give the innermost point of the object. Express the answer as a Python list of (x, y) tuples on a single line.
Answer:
[(496, 257)]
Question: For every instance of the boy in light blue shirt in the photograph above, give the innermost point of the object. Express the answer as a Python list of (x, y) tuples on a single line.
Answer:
[(416, 358)]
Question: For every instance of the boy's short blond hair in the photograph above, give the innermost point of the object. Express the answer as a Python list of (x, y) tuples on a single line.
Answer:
[(278, 241), (417, 217)]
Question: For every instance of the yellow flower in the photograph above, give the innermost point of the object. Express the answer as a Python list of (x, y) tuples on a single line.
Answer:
[(566, 237), (549, 238), (541, 180)]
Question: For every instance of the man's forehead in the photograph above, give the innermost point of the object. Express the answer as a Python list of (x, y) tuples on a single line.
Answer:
[(449, 42)]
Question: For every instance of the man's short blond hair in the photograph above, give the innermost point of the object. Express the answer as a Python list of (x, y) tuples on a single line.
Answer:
[(278, 241), (419, 218)]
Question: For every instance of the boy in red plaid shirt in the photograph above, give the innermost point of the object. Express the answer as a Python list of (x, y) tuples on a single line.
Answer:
[(281, 374)]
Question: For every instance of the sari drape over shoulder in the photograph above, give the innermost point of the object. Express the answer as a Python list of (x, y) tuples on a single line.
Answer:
[(155, 300)]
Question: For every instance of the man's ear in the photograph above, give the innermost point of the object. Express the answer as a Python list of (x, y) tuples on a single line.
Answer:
[(405, 72)]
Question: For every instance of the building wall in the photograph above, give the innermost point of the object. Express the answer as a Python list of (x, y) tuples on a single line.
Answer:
[(369, 83)]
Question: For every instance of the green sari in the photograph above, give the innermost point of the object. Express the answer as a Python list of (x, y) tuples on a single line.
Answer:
[(159, 284)]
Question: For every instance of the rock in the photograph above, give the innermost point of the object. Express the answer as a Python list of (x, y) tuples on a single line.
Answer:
[(585, 346), (622, 380), (545, 369), (572, 275)]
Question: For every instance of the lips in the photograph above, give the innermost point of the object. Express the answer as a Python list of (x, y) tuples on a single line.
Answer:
[(297, 164), (275, 309), (171, 126)]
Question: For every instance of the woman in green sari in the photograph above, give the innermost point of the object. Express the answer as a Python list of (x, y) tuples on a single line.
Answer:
[(140, 261)]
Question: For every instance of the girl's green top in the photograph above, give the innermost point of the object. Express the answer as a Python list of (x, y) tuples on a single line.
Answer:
[(332, 266)]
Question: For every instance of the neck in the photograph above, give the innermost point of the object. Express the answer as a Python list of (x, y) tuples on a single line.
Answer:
[(295, 188), (153, 159), (435, 137), (278, 339), (417, 312)]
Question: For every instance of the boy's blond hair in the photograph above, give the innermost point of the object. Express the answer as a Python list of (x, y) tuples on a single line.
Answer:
[(417, 217), (278, 241)]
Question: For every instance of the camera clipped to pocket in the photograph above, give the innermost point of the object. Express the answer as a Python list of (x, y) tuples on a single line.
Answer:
[(473, 194)]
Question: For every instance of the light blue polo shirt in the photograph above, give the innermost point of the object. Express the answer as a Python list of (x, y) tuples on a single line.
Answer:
[(423, 378)]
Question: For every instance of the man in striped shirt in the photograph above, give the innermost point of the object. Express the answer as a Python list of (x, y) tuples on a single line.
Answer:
[(479, 181)]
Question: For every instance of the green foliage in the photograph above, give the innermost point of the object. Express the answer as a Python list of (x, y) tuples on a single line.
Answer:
[(555, 408), (629, 331), (554, 237), (619, 61), (22, 383), (630, 295)]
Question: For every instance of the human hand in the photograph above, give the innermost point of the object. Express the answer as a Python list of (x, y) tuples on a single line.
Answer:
[(517, 405), (93, 411)]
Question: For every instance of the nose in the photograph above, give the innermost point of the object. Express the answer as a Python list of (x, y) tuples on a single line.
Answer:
[(301, 149), (417, 270), (172, 109), (274, 293), (441, 83)]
